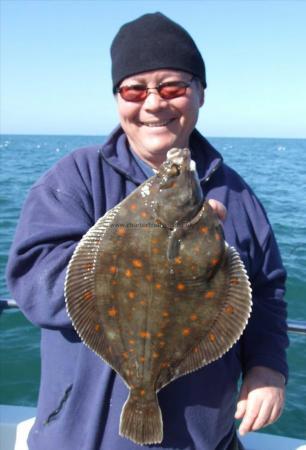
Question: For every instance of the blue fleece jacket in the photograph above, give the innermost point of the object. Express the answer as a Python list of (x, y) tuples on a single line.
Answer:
[(80, 397)]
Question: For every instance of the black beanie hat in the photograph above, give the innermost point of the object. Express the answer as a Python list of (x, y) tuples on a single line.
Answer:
[(154, 42)]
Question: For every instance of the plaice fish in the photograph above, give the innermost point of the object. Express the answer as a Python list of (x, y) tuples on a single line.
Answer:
[(155, 290)]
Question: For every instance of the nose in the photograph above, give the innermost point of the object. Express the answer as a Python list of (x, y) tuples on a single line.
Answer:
[(154, 100)]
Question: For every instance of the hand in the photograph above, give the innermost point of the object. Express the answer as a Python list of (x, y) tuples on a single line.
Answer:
[(261, 399), (219, 208)]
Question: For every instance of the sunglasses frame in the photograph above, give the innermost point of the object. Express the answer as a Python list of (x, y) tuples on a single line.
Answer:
[(145, 90)]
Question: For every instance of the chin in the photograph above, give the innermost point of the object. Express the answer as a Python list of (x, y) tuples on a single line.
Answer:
[(161, 145)]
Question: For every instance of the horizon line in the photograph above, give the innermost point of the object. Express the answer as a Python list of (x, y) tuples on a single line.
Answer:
[(105, 135)]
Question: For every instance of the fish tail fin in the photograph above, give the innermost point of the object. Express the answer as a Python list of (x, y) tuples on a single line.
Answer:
[(141, 420)]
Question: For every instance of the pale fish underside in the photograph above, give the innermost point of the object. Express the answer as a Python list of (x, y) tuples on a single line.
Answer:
[(151, 317)]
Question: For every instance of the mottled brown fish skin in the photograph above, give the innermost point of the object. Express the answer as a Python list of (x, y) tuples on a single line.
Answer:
[(165, 294), (157, 304)]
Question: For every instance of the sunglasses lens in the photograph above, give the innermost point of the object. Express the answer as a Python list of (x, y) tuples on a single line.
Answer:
[(139, 92), (172, 91), (133, 93)]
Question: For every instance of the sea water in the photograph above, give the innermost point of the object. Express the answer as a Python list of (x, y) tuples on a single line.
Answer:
[(274, 168)]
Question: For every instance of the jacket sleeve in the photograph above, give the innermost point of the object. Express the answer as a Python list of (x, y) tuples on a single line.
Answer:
[(51, 224), (265, 339)]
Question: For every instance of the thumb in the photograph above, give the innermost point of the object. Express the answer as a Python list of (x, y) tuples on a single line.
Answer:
[(218, 208), (242, 402)]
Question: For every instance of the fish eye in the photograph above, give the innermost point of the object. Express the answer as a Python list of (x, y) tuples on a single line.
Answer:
[(173, 171)]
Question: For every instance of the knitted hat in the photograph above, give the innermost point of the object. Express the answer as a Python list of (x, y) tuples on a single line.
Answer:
[(154, 42)]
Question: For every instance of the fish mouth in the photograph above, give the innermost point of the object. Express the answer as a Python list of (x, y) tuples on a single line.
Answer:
[(156, 124)]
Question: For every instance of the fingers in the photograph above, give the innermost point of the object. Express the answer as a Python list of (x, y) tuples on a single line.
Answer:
[(261, 399), (219, 209), (242, 403), (255, 417), (271, 409), (241, 408), (263, 407), (267, 415)]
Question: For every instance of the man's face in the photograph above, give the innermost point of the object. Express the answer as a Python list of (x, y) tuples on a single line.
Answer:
[(155, 125)]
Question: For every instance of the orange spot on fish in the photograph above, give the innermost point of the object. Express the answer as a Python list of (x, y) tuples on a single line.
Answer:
[(133, 207), (229, 309), (131, 295), (204, 230), (209, 294), (112, 312), (234, 281), (195, 350), (125, 355), (113, 269), (88, 295), (142, 359), (180, 287), (155, 250), (212, 337), (158, 285), (178, 260), (144, 214), (88, 266), (121, 231), (97, 327), (193, 317), (155, 355), (218, 237), (128, 273), (142, 302), (149, 277), (154, 241), (144, 334), (131, 341), (131, 350), (142, 392), (165, 314), (162, 344), (186, 332), (214, 261), (159, 334), (114, 282), (137, 263), (165, 364)]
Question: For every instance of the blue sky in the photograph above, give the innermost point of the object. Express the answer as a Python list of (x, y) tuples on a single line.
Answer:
[(55, 64)]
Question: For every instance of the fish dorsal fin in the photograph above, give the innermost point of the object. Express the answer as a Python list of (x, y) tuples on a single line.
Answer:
[(227, 327), (80, 291)]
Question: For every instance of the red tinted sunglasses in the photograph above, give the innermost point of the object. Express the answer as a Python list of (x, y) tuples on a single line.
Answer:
[(167, 90)]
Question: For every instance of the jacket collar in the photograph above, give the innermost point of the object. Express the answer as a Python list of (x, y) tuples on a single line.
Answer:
[(117, 154), (207, 158)]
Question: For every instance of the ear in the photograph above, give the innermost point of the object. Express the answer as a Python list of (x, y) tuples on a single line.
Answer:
[(202, 96), (201, 93)]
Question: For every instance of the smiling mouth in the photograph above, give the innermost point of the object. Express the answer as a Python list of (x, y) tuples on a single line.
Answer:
[(157, 124)]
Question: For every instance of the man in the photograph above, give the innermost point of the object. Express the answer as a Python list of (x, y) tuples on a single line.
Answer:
[(159, 81)]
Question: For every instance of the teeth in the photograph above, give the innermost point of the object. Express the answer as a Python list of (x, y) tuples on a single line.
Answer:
[(156, 124)]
